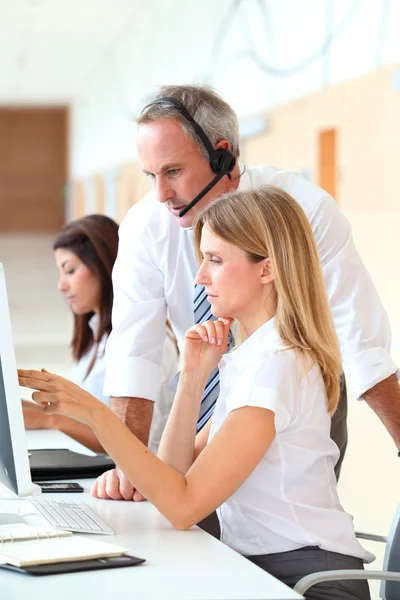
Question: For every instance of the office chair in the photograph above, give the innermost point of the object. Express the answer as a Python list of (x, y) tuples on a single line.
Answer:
[(390, 576)]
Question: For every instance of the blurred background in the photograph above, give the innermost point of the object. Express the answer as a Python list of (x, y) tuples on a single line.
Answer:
[(316, 85)]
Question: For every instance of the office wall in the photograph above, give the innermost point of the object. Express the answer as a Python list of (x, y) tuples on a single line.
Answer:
[(111, 192), (366, 117)]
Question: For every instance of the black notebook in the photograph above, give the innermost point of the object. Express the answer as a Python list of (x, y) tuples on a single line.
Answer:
[(56, 554), (53, 464), (112, 562)]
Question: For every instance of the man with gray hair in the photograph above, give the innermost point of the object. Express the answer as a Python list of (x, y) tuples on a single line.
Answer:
[(188, 145)]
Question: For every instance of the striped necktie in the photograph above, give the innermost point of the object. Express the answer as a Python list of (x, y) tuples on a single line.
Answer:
[(202, 313)]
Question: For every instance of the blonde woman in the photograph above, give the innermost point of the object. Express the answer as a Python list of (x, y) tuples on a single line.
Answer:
[(265, 460)]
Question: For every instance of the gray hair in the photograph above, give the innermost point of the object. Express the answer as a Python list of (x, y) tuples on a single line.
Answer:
[(208, 109)]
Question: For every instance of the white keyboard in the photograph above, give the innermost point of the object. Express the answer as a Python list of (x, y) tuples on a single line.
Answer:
[(70, 516)]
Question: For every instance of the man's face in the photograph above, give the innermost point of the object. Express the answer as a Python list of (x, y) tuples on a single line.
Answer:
[(172, 159)]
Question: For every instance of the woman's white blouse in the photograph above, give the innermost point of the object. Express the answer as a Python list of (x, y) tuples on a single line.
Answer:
[(290, 500), (94, 382)]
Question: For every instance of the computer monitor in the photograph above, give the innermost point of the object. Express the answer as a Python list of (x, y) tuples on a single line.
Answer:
[(15, 472)]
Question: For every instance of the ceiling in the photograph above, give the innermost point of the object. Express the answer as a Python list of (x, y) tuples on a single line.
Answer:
[(49, 47), (258, 53)]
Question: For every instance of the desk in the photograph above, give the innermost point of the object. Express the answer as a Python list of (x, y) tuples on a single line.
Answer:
[(179, 564)]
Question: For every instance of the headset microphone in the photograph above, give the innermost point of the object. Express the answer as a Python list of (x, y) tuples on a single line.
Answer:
[(222, 161), (199, 196)]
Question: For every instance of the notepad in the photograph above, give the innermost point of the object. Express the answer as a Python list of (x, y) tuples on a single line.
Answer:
[(12, 532), (54, 550)]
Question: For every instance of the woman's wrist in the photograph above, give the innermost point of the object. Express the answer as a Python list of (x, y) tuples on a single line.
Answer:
[(194, 377), (191, 387), (99, 416), (51, 421)]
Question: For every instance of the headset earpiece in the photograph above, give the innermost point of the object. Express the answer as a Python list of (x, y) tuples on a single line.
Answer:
[(222, 161)]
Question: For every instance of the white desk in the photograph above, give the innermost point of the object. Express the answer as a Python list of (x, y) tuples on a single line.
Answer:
[(179, 564)]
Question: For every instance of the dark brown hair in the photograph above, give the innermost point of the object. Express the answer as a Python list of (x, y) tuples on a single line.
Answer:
[(94, 240)]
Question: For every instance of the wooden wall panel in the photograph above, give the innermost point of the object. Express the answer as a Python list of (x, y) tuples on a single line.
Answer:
[(33, 168), (78, 200), (99, 192), (125, 190), (132, 186)]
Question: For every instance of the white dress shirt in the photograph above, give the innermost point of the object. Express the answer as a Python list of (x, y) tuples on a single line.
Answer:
[(290, 500), (155, 270), (94, 382)]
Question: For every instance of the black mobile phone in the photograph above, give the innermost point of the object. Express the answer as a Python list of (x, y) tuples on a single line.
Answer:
[(59, 486)]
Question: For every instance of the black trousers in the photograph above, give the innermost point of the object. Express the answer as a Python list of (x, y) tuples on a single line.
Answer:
[(339, 435), (290, 567)]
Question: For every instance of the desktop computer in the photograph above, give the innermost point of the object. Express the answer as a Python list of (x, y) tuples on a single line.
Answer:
[(15, 469), (15, 472)]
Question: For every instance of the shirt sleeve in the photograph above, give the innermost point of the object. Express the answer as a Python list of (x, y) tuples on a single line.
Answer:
[(134, 348), (267, 384), (361, 322)]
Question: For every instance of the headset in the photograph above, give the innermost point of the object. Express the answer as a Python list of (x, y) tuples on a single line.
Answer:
[(222, 161)]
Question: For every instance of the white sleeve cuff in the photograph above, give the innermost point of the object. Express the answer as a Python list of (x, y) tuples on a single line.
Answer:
[(368, 368), (133, 378)]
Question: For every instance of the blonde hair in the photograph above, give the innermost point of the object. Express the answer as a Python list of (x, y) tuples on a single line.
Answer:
[(268, 223), (217, 119)]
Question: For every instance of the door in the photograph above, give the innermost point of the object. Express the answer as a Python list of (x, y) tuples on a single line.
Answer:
[(327, 161), (33, 168)]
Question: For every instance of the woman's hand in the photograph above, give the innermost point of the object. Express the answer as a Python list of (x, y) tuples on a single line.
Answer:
[(205, 344), (58, 395), (34, 417)]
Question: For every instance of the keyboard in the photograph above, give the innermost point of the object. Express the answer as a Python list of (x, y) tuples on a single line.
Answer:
[(70, 516)]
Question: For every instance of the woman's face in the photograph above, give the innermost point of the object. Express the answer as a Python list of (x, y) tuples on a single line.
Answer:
[(235, 287), (79, 285)]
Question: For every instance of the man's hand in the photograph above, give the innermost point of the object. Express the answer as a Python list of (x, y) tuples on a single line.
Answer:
[(113, 485), (136, 414)]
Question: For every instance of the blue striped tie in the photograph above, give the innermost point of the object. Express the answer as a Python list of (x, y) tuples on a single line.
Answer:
[(202, 313)]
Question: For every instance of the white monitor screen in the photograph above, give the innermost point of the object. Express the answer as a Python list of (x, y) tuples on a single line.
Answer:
[(15, 472)]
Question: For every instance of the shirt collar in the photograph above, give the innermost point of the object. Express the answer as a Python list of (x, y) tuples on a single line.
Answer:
[(244, 181), (94, 323), (262, 340)]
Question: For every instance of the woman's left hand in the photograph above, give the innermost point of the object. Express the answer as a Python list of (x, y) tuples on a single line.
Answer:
[(58, 395)]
